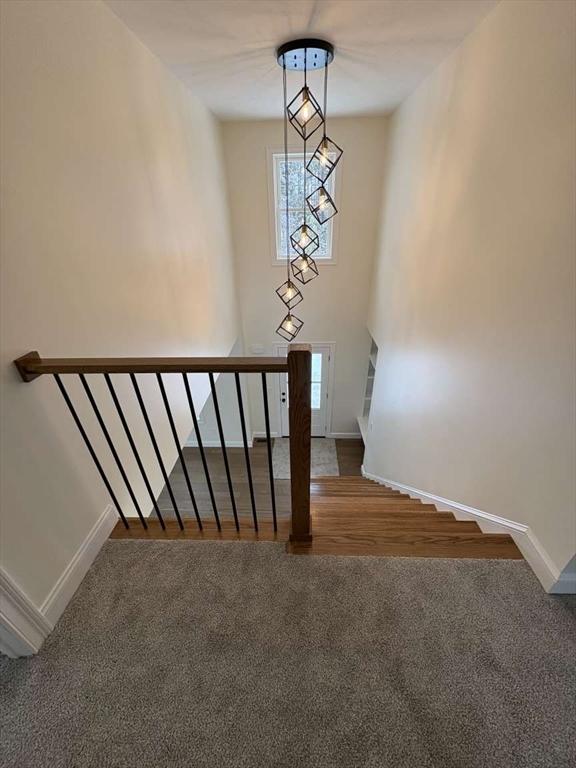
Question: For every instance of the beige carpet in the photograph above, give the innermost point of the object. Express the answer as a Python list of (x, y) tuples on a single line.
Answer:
[(231, 655)]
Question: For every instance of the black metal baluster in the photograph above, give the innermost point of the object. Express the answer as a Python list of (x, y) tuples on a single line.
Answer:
[(223, 444), (201, 449), (90, 448), (156, 449), (246, 450), (269, 446), (178, 448), (113, 450), (134, 449)]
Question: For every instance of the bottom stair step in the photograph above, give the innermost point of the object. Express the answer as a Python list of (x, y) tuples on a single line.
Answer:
[(418, 544)]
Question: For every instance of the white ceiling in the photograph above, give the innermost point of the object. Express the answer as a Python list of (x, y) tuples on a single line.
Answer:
[(224, 49)]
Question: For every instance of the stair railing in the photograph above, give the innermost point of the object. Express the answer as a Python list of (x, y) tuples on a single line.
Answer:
[(298, 367)]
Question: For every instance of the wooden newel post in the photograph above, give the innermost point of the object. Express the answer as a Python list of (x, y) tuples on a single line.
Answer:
[(299, 375)]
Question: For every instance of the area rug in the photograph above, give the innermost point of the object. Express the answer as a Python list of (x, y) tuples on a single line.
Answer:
[(324, 459), (237, 655)]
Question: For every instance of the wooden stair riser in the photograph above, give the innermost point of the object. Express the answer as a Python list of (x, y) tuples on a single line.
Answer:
[(358, 494), (332, 501)]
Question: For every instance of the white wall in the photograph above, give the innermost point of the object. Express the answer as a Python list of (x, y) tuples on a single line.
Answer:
[(115, 242), (334, 307), (227, 395), (473, 300)]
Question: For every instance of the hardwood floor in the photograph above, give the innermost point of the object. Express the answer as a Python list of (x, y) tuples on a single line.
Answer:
[(236, 459), (350, 455), (349, 460), (350, 514)]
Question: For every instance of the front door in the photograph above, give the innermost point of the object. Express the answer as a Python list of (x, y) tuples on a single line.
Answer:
[(320, 383)]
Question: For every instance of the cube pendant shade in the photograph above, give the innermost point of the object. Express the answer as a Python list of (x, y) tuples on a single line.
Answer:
[(290, 294), (321, 205), (290, 327), (304, 269), (304, 240), (304, 113), (325, 158)]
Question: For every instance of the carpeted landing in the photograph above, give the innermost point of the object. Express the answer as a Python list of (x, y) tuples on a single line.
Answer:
[(233, 655)]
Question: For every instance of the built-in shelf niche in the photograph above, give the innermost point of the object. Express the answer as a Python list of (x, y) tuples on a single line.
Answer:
[(371, 370)]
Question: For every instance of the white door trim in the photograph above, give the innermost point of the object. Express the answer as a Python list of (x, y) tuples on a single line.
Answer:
[(330, 386)]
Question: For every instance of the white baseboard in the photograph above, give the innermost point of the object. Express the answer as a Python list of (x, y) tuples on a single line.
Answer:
[(262, 435), (335, 435), (565, 585), (23, 628), (534, 553), (217, 444), (64, 589)]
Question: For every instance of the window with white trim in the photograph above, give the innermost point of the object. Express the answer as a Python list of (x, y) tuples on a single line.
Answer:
[(296, 209)]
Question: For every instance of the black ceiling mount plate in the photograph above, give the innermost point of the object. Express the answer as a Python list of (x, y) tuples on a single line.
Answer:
[(318, 54)]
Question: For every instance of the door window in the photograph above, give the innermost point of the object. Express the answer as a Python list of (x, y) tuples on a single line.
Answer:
[(316, 380)]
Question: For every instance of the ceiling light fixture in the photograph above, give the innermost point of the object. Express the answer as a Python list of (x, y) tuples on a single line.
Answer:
[(306, 116)]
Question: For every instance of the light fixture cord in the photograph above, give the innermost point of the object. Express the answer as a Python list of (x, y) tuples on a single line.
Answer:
[(305, 130), (286, 169), (325, 93)]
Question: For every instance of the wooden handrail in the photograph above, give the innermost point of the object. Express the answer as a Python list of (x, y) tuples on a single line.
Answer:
[(31, 366), (297, 365)]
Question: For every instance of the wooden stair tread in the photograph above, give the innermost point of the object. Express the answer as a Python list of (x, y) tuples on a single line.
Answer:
[(334, 494), (377, 526), (437, 536), (357, 494), (382, 501), (348, 484), (355, 516), (453, 545)]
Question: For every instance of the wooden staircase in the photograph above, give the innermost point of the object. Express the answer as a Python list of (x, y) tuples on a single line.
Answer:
[(356, 516), (331, 515)]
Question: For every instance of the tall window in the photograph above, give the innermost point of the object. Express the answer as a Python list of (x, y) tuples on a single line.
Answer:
[(296, 210)]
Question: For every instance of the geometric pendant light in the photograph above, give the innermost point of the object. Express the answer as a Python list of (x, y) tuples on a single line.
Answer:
[(304, 113), (289, 327), (304, 240), (304, 269), (290, 294), (324, 159), (321, 205)]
